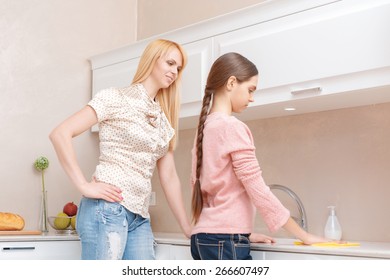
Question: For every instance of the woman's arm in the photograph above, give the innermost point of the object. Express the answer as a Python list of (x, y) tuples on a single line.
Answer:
[(172, 189), (61, 138)]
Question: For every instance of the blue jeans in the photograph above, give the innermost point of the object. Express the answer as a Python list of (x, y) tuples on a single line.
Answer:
[(206, 246), (108, 231)]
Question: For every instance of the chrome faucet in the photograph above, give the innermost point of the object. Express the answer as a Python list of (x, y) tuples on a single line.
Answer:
[(302, 221)]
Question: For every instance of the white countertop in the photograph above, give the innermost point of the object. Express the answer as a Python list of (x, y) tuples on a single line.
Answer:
[(52, 236), (366, 249)]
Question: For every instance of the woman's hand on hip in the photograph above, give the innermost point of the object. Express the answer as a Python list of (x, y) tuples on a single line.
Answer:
[(100, 190)]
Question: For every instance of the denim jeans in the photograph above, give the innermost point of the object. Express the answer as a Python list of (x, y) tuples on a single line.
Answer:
[(206, 246), (108, 231)]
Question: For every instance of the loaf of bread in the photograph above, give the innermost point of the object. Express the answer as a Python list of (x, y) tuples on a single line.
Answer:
[(11, 221)]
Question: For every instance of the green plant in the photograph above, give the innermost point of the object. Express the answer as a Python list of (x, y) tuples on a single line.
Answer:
[(41, 164)]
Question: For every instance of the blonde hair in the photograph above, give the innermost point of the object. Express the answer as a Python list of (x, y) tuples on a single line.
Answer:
[(169, 98)]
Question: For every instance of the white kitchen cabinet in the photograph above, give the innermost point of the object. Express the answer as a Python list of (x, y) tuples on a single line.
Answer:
[(115, 75), (180, 252), (41, 250), (257, 255), (304, 58), (163, 251), (312, 45), (312, 55), (194, 80), (173, 252)]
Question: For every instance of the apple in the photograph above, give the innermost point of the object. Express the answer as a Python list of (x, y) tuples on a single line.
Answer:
[(70, 209)]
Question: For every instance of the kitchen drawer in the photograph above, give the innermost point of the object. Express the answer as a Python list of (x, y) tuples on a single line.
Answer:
[(40, 250)]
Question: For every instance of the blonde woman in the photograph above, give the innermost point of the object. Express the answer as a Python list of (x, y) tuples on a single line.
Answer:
[(137, 132)]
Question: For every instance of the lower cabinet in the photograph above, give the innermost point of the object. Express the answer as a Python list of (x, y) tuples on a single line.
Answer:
[(41, 250), (173, 252)]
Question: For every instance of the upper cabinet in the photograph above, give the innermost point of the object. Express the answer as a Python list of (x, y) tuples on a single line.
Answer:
[(314, 59), (116, 75), (311, 55), (194, 79)]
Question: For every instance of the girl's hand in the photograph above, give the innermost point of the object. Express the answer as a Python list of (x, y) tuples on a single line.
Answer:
[(260, 238), (100, 190), (311, 239)]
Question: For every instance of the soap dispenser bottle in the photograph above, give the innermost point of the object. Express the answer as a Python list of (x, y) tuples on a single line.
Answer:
[(332, 228)]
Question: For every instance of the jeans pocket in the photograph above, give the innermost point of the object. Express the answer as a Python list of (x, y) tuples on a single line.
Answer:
[(242, 248), (112, 213), (211, 251), (111, 208), (209, 246)]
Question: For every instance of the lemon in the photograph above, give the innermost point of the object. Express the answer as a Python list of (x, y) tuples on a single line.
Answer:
[(62, 221), (73, 222)]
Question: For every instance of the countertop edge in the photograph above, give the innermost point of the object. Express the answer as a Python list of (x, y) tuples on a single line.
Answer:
[(51, 236)]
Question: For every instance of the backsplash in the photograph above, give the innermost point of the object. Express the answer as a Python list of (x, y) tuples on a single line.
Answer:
[(339, 157)]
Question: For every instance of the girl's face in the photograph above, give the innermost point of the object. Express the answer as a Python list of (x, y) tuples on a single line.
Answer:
[(167, 67), (242, 94)]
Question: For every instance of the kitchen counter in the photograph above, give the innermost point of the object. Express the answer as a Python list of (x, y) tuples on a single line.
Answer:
[(50, 236), (379, 250)]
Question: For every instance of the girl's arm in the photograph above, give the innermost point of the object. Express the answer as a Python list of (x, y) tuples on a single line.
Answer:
[(307, 238), (172, 189), (61, 138)]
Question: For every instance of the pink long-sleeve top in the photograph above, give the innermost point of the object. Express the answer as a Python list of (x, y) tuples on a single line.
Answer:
[(231, 181)]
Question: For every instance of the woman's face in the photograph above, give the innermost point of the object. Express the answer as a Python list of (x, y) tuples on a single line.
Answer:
[(242, 94), (167, 67)]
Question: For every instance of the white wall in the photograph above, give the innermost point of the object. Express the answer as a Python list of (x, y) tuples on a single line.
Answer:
[(44, 77), (156, 17)]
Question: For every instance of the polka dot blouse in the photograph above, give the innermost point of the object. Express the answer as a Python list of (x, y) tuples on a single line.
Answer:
[(134, 133)]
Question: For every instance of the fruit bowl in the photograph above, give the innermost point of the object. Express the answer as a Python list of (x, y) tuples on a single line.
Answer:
[(62, 224)]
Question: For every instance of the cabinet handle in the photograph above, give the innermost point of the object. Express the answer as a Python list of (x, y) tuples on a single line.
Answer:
[(306, 90), (17, 248)]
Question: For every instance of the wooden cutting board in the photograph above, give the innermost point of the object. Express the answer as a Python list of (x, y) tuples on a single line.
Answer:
[(20, 232)]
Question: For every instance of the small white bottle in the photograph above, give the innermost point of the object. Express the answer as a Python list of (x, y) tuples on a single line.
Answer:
[(332, 228)]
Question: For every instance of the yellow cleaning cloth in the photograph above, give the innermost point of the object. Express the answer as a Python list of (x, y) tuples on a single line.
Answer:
[(329, 244)]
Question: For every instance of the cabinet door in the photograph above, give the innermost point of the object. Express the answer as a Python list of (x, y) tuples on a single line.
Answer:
[(163, 251), (319, 52), (306, 46), (40, 250), (194, 78), (180, 252), (173, 252), (257, 255), (115, 75)]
